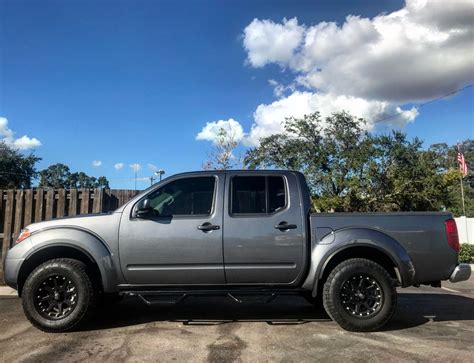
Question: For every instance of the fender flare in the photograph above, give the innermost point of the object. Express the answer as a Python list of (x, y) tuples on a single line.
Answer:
[(82, 240), (351, 237)]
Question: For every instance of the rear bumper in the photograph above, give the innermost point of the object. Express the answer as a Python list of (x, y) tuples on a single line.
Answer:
[(462, 272)]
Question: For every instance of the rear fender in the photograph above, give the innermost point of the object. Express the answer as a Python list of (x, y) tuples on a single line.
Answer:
[(343, 239)]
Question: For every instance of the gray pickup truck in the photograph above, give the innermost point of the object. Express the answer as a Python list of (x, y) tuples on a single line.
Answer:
[(243, 234)]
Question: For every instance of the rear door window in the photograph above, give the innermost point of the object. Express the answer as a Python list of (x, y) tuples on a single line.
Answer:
[(257, 194)]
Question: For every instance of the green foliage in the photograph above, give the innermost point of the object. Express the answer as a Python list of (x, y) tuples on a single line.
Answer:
[(16, 170), (349, 169), (59, 176), (466, 254)]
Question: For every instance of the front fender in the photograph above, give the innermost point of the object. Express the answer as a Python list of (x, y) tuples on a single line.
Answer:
[(87, 242), (333, 243)]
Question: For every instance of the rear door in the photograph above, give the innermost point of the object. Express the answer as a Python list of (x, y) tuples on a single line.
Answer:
[(263, 229)]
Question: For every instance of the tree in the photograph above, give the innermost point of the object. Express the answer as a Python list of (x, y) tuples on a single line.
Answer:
[(448, 165), (55, 176), (349, 169), (221, 155), (16, 170), (59, 176), (332, 153)]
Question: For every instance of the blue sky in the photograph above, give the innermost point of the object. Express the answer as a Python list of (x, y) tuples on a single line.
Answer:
[(136, 81)]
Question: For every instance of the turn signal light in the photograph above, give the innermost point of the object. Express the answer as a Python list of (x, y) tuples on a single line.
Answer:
[(25, 233)]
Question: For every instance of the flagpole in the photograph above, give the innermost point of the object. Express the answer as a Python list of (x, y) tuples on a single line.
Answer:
[(462, 196), (460, 180)]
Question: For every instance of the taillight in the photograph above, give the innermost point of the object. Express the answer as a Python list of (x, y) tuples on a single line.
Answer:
[(452, 234), (25, 233)]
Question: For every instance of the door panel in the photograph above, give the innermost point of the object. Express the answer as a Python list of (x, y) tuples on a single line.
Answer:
[(175, 249), (255, 252)]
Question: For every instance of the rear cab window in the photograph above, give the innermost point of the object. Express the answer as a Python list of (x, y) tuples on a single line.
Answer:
[(257, 195)]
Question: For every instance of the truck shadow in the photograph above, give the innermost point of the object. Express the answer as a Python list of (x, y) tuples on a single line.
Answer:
[(414, 309)]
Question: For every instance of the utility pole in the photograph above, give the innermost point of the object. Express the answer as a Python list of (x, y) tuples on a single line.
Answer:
[(158, 173), (136, 171)]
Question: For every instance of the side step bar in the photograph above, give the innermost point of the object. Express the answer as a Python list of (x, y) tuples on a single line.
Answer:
[(172, 297)]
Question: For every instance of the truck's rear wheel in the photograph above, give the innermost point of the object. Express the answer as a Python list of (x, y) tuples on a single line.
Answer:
[(360, 295), (57, 294)]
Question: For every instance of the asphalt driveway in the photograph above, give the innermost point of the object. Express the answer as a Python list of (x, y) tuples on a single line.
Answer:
[(430, 324)]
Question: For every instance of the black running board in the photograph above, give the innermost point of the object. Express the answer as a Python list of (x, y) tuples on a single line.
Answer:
[(172, 297)]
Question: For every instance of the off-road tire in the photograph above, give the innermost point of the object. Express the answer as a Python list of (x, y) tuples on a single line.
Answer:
[(333, 301), (71, 269)]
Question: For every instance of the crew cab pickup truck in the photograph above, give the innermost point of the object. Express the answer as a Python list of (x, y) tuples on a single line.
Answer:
[(235, 233)]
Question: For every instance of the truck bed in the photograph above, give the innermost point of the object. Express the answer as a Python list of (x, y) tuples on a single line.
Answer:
[(421, 234)]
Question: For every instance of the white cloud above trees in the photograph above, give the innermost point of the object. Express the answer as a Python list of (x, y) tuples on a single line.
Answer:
[(210, 132), (370, 67), (7, 135)]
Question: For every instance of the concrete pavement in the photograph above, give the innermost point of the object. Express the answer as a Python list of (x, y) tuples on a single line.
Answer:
[(430, 325)]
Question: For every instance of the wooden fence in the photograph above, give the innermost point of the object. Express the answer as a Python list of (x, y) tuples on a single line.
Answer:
[(18, 208)]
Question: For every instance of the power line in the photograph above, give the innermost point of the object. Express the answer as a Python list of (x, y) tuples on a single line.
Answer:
[(426, 103)]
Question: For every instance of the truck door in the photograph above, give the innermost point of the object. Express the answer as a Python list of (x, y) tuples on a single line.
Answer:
[(180, 242), (263, 234)]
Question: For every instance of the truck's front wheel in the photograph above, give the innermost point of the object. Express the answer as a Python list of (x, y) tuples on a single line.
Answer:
[(360, 295), (57, 294)]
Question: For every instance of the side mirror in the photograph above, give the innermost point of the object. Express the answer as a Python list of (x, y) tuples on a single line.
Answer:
[(143, 207)]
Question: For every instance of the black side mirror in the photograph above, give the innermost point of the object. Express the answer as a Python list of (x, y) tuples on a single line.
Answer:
[(143, 207)]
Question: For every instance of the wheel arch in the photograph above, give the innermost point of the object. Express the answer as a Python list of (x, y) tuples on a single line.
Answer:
[(70, 243), (365, 243)]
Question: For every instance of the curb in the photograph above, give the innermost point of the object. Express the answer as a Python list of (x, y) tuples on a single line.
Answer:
[(6, 291)]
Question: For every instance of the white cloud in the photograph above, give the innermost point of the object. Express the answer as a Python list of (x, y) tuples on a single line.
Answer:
[(269, 42), (21, 143), (135, 167), (422, 51), (96, 163), (210, 132), (370, 67), (118, 166), (279, 90), (152, 167), (269, 117)]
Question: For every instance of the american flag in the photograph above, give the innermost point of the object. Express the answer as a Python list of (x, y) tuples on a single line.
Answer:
[(462, 162)]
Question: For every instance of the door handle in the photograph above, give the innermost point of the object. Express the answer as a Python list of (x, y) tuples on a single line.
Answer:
[(206, 227), (283, 226)]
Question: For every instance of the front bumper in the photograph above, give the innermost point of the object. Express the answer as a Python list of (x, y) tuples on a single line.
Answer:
[(462, 272), (12, 267)]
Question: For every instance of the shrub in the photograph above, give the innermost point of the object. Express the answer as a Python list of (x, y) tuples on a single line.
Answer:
[(466, 254)]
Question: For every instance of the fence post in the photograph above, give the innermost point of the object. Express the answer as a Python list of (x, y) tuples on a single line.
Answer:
[(98, 200), (18, 214), (49, 204), (85, 200), (7, 227), (28, 207), (61, 206), (39, 205)]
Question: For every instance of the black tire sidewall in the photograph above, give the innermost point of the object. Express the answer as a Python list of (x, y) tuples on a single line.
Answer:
[(71, 269), (332, 295)]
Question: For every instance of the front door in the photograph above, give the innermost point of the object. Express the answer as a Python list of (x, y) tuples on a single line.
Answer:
[(263, 234), (180, 241)]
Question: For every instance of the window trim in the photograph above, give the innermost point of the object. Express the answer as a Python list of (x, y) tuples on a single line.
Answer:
[(181, 216), (267, 200)]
